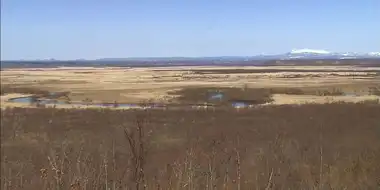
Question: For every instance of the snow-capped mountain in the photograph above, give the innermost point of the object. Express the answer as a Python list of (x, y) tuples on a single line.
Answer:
[(319, 54), (308, 51), (374, 54)]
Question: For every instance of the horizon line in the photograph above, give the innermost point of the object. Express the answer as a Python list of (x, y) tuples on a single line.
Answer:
[(190, 57)]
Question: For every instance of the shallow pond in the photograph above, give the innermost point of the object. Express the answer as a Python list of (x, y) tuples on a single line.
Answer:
[(240, 104), (30, 100), (216, 96), (44, 101)]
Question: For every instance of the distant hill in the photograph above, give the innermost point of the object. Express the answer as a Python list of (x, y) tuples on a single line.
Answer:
[(297, 56), (293, 55)]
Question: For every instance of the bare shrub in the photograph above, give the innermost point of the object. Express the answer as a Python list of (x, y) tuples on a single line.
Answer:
[(137, 146)]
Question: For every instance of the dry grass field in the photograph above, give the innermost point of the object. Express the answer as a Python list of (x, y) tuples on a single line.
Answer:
[(134, 85), (309, 128)]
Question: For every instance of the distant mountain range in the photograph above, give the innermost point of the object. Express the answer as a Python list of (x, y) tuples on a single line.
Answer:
[(323, 54), (296, 54)]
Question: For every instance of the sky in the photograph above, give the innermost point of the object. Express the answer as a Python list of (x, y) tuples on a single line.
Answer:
[(92, 29)]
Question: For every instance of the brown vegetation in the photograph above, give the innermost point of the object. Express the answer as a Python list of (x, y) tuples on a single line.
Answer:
[(374, 90), (193, 95), (332, 146), (203, 94), (7, 89)]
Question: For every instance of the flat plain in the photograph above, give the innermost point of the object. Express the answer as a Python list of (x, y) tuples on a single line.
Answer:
[(252, 127), (134, 85)]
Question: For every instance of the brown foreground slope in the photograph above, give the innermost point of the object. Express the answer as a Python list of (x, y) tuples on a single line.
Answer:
[(331, 146)]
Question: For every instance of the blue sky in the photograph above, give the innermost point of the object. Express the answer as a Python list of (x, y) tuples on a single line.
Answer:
[(90, 29)]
